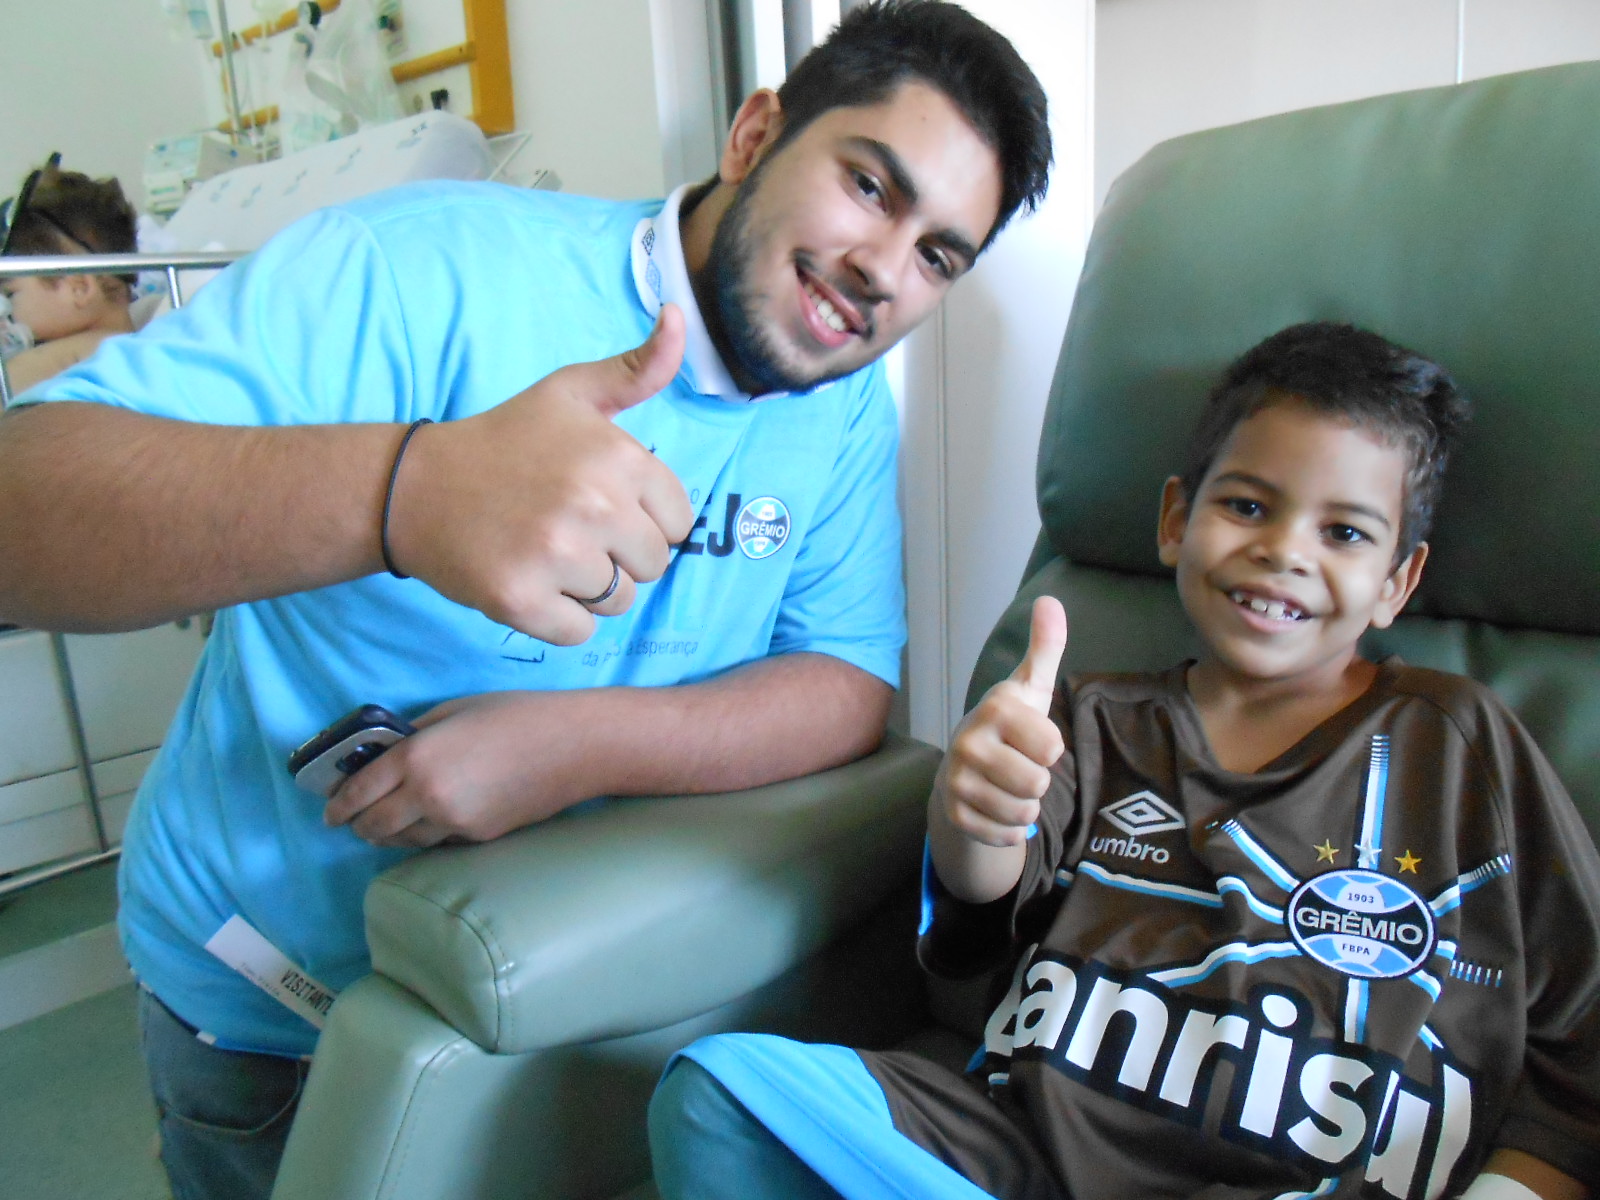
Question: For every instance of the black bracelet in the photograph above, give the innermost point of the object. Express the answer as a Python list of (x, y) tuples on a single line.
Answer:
[(388, 496)]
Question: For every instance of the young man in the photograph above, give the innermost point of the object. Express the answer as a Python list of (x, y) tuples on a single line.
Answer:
[(67, 317), (1283, 922), (245, 454)]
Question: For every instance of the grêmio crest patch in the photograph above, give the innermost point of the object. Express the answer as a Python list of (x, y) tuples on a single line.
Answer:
[(1361, 924), (762, 527)]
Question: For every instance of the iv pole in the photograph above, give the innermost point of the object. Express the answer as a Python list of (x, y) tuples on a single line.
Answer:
[(231, 91)]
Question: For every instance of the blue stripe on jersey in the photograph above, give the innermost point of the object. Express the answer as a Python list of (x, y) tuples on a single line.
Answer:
[(1233, 952), (823, 1103), (1149, 887), (1257, 853)]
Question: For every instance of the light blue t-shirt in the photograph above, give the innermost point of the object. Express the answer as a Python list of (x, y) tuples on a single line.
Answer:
[(443, 300)]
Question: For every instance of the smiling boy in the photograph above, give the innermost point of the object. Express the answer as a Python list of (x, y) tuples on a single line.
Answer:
[(1282, 921)]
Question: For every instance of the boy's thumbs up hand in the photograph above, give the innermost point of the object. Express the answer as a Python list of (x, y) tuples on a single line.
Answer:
[(1000, 757), (541, 503), (1047, 642)]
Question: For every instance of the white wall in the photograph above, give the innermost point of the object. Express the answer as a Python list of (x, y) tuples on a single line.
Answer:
[(585, 85), (97, 81), (582, 75), (1167, 67), (976, 378)]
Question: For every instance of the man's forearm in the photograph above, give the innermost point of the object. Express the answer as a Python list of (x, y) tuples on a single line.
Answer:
[(482, 766), (771, 720), (115, 520)]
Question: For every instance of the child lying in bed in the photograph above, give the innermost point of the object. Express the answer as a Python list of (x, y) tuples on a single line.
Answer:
[(67, 317), (1282, 922)]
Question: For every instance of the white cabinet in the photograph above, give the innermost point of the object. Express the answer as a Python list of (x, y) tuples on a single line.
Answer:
[(128, 685), (80, 719), (35, 733)]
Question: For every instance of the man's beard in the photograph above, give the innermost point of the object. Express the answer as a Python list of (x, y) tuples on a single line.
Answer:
[(734, 309)]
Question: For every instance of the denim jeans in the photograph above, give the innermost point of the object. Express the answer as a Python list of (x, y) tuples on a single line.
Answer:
[(224, 1115)]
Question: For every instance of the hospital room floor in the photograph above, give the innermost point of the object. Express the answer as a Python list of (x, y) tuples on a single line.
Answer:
[(76, 1121)]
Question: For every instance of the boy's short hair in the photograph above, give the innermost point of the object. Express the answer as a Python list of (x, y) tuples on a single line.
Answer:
[(1341, 371), (68, 207), (883, 44)]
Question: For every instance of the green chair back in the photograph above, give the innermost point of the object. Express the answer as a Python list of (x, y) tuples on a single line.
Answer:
[(1463, 222)]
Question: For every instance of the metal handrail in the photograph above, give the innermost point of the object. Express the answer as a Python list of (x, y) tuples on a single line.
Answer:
[(18, 266)]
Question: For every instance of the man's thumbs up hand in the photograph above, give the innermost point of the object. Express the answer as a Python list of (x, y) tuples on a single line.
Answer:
[(541, 512), (1000, 757), (623, 380)]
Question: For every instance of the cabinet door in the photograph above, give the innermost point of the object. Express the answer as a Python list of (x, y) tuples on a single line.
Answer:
[(35, 735), (44, 819), (129, 684)]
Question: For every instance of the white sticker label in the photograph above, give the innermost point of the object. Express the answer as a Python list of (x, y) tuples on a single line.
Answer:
[(239, 945)]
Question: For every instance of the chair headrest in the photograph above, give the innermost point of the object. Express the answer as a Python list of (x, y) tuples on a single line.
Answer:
[(1463, 222)]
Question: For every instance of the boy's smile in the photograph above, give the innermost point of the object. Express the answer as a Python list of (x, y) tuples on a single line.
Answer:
[(1286, 556)]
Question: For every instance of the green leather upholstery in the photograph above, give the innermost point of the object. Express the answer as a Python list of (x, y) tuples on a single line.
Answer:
[(526, 993), (1463, 222)]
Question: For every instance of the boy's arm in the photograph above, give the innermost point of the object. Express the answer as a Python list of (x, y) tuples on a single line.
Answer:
[(986, 797), (1515, 1175), (49, 359)]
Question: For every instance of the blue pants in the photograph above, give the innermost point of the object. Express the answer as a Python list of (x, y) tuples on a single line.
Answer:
[(224, 1115), (754, 1116), (705, 1145)]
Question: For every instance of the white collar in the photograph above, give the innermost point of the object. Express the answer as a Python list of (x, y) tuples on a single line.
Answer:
[(661, 275)]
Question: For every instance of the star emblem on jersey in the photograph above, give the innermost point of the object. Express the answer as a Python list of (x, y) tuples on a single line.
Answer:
[(1408, 862), (1143, 812), (1326, 852)]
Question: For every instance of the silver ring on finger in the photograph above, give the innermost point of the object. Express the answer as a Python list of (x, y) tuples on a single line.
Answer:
[(616, 578)]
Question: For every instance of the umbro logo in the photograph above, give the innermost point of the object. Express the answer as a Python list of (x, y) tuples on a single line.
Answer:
[(1143, 812)]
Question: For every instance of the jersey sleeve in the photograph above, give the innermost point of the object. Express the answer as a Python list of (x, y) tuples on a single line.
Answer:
[(306, 330), (958, 940), (1554, 1113), (845, 595)]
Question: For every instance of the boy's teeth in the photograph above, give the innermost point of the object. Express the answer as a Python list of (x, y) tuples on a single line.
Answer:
[(1277, 610)]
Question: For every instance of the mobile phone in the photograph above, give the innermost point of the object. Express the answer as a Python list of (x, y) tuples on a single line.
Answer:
[(343, 748)]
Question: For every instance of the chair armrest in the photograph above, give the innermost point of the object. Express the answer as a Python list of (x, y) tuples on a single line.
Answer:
[(640, 913)]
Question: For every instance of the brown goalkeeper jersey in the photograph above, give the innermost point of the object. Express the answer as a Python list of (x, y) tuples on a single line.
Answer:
[(1357, 970)]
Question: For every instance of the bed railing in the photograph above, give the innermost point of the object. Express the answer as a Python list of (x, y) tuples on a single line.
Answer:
[(12, 267), (17, 266)]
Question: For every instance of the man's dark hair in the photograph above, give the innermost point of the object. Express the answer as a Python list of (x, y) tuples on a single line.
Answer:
[(1341, 371), (68, 207), (886, 43)]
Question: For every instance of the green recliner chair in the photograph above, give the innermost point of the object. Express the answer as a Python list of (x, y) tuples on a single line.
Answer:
[(525, 993)]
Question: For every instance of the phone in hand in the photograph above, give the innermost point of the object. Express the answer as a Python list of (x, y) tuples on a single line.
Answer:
[(343, 748)]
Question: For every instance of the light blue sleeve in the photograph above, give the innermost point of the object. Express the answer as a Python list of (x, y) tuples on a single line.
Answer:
[(846, 594), (306, 330)]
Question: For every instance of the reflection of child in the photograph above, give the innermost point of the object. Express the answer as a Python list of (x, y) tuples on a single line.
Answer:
[(68, 316), (1284, 922)]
